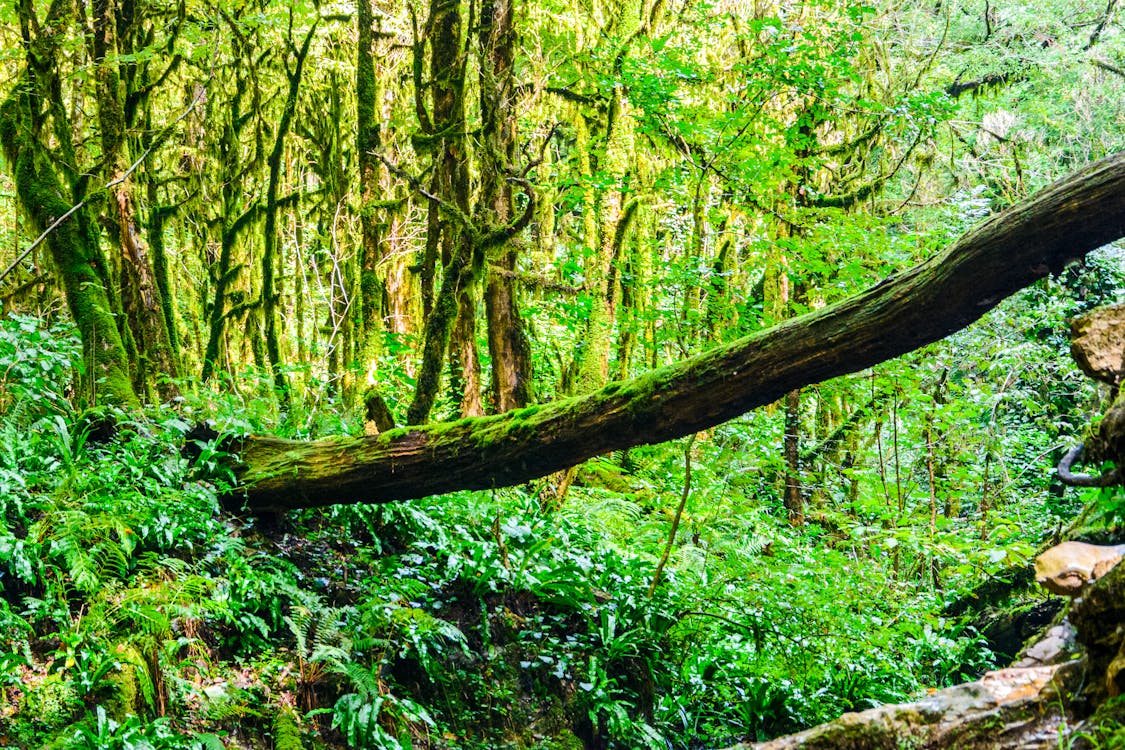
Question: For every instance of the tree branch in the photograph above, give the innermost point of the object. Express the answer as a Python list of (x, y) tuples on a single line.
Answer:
[(1070, 479), (1101, 26), (959, 87)]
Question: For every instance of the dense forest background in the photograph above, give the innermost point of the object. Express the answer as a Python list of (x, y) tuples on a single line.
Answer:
[(313, 219)]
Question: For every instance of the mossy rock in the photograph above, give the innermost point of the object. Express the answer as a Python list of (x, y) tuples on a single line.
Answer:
[(286, 733), (553, 726)]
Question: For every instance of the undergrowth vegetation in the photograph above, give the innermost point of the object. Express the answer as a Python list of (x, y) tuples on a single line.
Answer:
[(136, 614)]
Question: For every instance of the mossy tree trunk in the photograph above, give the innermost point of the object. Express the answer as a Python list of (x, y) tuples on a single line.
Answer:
[(121, 86), (373, 304), (508, 344), (918, 306), (778, 300), (222, 270), (613, 220), (271, 293), (449, 237), (74, 243), (633, 276)]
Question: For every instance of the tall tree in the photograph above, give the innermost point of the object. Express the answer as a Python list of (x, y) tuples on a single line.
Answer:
[(449, 241), (270, 295), (373, 305), (508, 344), (31, 116), (122, 86)]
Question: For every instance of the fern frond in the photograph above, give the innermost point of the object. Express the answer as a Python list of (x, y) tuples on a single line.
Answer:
[(210, 742)]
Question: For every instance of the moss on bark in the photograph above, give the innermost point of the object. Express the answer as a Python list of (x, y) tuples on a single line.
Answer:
[(286, 734)]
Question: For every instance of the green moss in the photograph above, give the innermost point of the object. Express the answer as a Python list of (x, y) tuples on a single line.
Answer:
[(286, 733), (564, 740), (600, 474), (76, 254), (554, 724), (50, 704), (123, 692), (129, 686)]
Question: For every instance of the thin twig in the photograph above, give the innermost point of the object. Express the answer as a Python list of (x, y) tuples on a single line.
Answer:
[(40, 238), (676, 520)]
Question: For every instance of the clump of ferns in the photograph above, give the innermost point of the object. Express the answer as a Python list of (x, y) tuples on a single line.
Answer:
[(335, 655), (160, 610), (88, 548), (322, 646)]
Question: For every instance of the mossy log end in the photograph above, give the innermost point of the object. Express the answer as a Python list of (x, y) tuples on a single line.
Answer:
[(903, 312)]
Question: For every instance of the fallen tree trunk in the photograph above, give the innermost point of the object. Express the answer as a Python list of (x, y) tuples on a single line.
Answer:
[(916, 307), (1021, 708)]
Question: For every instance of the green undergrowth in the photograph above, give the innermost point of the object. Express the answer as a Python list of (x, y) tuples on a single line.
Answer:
[(136, 614)]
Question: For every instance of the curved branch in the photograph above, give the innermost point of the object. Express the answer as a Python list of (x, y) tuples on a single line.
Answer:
[(1070, 479), (1108, 14), (573, 96), (866, 191), (959, 87), (500, 236)]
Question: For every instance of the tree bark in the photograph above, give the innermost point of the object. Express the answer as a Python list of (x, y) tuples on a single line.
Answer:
[(224, 271), (903, 312), (1009, 709), (794, 492), (154, 365), (368, 141), (508, 344), (447, 239), (75, 250), (613, 222)]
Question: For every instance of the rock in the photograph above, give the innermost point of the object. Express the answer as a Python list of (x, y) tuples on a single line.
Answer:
[(1055, 646), (1067, 568), (1097, 343)]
